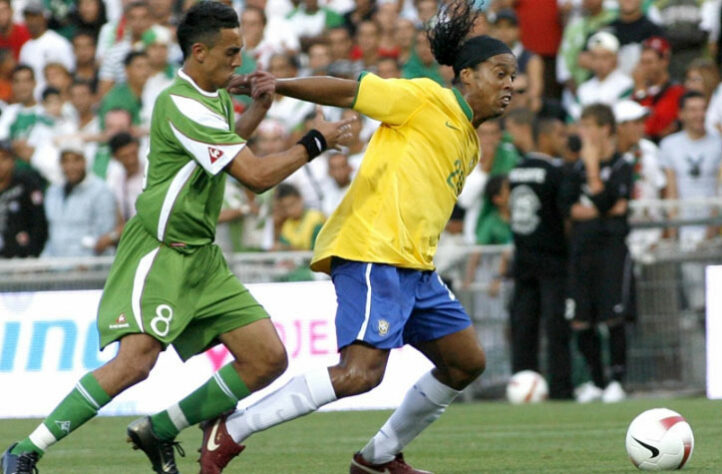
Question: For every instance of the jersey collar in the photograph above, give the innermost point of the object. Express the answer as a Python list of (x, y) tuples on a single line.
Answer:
[(188, 78), (462, 102)]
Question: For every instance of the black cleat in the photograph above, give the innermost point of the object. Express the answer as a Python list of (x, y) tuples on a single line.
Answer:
[(19, 463), (160, 453)]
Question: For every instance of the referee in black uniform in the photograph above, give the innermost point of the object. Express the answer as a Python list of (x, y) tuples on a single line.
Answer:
[(540, 261), (596, 194)]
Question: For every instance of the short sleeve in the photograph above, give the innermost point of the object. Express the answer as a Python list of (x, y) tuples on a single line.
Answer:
[(202, 132), (391, 101)]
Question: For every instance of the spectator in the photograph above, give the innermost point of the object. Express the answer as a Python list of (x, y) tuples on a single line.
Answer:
[(357, 145), (80, 212), (685, 31), (691, 159), (541, 33), (520, 98), (19, 118), (648, 180), (388, 68), (653, 88), (112, 71), (258, 46), (291, 112), (156, 40), (309, 20), (12, 35), (116, 121), (631, 29), (88, 15), (609, 85), (23, 228), (7, 65), (57, 77), (702, 76), (319, 59), (366, 50), (301, 225), (87, 123), (422, 62), (337, 183), (404, 37), (127, 95), (573, 62), (339, 39), (595, 196), (364, 11), (540, 259), (506, 28), (386, 17), (495, 229), (127, 184), (519, 124), (44, 44), (86, 67)]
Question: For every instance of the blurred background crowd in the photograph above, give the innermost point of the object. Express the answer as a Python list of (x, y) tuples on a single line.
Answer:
[(78, 81)]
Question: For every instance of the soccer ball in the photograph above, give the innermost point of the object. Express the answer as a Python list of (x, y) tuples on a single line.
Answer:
[(526, 386), (659, 440)]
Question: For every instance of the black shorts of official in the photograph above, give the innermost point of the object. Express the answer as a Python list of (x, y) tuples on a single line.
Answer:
[(601, 284)]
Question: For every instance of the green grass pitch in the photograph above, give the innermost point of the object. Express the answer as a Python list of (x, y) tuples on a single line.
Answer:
[(484, 437)]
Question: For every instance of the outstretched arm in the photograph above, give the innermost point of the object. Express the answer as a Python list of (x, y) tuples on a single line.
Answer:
[(322, 90)]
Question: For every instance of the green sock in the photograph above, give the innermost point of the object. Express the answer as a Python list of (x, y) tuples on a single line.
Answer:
[(219, 394), (80, 405)]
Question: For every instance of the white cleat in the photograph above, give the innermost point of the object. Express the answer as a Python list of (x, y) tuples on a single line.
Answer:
[(588, 392), (614, 393)]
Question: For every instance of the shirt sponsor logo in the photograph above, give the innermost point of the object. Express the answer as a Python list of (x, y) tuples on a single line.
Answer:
[(214, 154)]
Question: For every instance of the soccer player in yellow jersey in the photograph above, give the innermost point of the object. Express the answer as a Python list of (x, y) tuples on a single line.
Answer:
[(379, 244)]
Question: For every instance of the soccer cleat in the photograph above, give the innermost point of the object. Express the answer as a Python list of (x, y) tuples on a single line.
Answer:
[(588, 392), (19, 463), (614, 393), (217, 448), (159, 452), (397, 466)]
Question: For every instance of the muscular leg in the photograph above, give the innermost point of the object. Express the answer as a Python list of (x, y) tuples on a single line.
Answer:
[(360, 369), (134, 361), (459, 360), (259, 359)]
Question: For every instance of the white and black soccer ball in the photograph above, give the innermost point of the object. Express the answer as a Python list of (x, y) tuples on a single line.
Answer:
[(527, 386), (659, 440)]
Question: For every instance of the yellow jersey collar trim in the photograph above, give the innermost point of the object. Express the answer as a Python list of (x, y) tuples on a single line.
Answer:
[(464, 105)]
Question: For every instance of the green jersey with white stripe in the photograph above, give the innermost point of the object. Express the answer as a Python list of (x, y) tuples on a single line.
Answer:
[(192, 139)]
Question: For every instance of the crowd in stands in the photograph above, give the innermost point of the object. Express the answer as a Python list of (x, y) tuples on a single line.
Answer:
[(78, 81)]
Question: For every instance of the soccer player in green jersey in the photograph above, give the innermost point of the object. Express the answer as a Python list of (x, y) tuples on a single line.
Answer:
[(169, 284)]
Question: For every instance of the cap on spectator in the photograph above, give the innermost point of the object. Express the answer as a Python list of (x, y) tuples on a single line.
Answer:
[(506, 14), (658, 44), (72, 146), (34, 7), (628, 111), (156, 34), (603, 40)]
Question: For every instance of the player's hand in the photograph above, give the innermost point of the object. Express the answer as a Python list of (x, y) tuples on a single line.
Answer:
[(335, 133), (263, 87), (240, 84)]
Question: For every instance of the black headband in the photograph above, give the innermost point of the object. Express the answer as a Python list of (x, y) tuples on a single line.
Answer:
[(478, 49)]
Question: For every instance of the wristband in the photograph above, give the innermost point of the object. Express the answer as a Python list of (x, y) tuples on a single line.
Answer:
[(314, 143)]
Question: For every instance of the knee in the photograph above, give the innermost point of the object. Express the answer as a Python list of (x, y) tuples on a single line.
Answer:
[(135, 369), (272, 363), (353, 380), (471, 368)]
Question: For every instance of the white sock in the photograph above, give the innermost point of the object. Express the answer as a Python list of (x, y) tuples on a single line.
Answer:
[(300, 396), (422, 405)]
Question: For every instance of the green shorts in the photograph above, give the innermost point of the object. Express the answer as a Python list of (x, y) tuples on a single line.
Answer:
[(185, 297)]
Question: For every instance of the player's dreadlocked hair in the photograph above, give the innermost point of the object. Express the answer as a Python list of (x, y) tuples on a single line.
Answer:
[(453, 23)]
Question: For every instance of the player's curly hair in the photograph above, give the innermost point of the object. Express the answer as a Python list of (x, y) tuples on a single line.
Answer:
[(447, 34)]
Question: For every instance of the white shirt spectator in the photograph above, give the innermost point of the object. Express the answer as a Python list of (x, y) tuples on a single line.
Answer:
[(290, 112), (471, 199), (309, 181), (610, 90), (112, 68), (125, 188), (49, 47), (332, 195)]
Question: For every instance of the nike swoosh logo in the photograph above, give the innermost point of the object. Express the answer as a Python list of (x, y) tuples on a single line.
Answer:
[(318, 143), (368, 469), (448, 124), (655, 451), (212, 445)]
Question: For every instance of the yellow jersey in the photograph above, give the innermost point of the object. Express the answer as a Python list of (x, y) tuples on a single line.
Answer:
[(410, 177), (300, 234)]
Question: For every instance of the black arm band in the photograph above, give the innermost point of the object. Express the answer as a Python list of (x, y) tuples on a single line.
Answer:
[(314, 143)]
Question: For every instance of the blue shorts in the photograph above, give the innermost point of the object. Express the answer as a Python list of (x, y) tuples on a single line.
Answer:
[(386, 306)]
